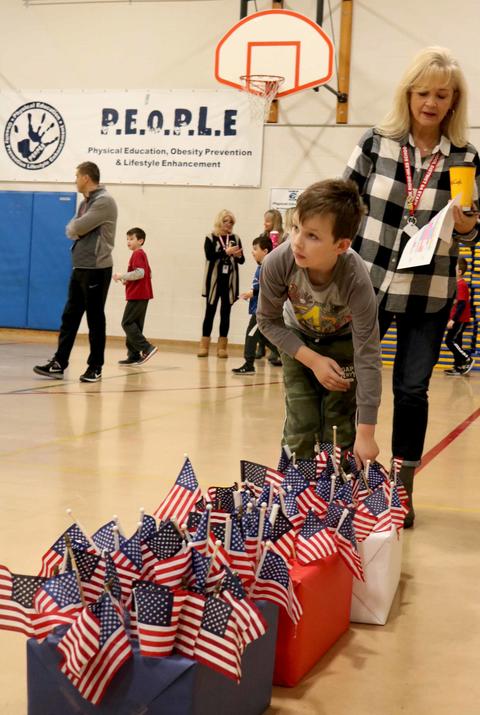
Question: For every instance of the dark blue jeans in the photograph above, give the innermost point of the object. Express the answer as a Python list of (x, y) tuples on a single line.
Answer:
[(419, 338)]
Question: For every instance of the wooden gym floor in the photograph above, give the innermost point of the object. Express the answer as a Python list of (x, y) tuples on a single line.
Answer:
[(115, 446)]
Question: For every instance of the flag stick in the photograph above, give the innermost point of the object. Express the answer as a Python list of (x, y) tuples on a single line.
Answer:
[(142, 514), (68, 544), (228, 533), (185, 532), (364, 475), (218, 543), (261, 522), (335, 465), (333, 478), (119, 526), (266, 547), (281, 496), (270, 496), (273, 514), (82, 528), (139, 527), (342, 519), (116, 537)]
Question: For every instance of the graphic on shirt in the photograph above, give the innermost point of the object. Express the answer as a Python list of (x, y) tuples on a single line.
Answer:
[(34, 135), (323, 318)]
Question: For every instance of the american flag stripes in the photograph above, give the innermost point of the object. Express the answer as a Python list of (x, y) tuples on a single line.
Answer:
[(273, 583), (218, 644), (182, 497), (61, 591), (251, 623), (347, 546), (239, 560), (189, 623), (114, 649), (175, 571), (314, 540), (81, 643), (157, 609)]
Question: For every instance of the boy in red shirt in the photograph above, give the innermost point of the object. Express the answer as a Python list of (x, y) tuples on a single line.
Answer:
[(138, 289), (459, 318)]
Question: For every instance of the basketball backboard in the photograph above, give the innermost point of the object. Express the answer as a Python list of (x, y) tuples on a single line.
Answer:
[(275, 42)]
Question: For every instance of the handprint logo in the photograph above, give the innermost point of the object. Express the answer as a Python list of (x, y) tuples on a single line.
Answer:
[(34, 135)]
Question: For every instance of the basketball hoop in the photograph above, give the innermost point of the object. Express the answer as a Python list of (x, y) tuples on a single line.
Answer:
[(262, 90)]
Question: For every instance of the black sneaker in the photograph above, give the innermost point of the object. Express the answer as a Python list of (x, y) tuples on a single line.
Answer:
[(466, 367), (454, 372), (147, 354), (244, 370), (275, 361), (52, 369), (91, 374), (130, 360)]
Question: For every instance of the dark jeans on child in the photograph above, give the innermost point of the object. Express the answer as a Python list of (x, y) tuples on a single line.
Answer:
[(453, 341), (311, 409), (87, 293), (132, 322), (252, 339), (419, 339)]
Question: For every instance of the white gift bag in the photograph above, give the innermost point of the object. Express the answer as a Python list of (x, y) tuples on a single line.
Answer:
[(381, 555)]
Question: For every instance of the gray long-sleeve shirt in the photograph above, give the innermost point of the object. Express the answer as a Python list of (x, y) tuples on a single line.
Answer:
[(290, 304), (93, 230)]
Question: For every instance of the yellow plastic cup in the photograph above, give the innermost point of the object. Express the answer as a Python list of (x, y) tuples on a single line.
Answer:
[(462, 179)]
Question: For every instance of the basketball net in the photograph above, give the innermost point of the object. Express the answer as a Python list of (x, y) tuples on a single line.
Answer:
[(261, 90)]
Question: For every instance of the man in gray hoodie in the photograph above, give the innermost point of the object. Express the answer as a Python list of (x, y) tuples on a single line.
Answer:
[(93, 234)]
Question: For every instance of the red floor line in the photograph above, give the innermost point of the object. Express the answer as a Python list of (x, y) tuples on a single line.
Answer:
[(448, 439)]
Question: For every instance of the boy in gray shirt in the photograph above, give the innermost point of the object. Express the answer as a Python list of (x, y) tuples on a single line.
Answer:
[(318, 306)]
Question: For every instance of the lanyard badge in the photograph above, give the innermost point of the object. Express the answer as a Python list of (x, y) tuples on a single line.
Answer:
[(413, 197)]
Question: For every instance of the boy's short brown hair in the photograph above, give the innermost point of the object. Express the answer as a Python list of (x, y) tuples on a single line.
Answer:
[(462, 265), (336, 197)]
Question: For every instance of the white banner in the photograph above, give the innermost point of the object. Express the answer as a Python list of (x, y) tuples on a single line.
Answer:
[(184, 137)]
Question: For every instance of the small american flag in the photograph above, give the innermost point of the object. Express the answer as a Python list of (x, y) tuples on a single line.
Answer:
[(114, 649), (377, 504), (314, 541), (176, 570), (282, 534), (16, 601), (182, 497), (60, 591), (91, 569), (218, 642), (250, 621), (363, 522), (165, 544), (240, 561), (200, 537), (398, 511), (189, 623), (128, 563), (81, 643), (158, 610), (55, 554), (347, 546), (148, 528), (104, 537), (273, 583)]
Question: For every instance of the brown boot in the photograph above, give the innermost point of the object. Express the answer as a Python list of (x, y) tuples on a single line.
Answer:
[(203, 347), (222, 348)]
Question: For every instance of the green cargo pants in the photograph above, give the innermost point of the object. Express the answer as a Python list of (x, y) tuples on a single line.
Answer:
[(311, 410)]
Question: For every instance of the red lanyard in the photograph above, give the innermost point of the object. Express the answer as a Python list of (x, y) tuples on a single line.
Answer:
[(413, 198), (224, 243)]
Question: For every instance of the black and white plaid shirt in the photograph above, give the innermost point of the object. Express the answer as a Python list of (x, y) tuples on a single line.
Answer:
[(376, 166)]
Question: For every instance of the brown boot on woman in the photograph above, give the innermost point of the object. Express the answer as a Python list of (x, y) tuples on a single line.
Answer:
[(203, 347), (222, 348)]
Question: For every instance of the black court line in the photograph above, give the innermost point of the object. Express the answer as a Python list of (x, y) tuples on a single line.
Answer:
[(40, 390)]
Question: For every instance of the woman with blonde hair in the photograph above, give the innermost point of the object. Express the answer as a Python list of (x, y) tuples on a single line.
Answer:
[(401, 167), (223, 255)]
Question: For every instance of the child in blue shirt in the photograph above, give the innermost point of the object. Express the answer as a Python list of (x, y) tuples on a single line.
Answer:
[(261, 247)]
